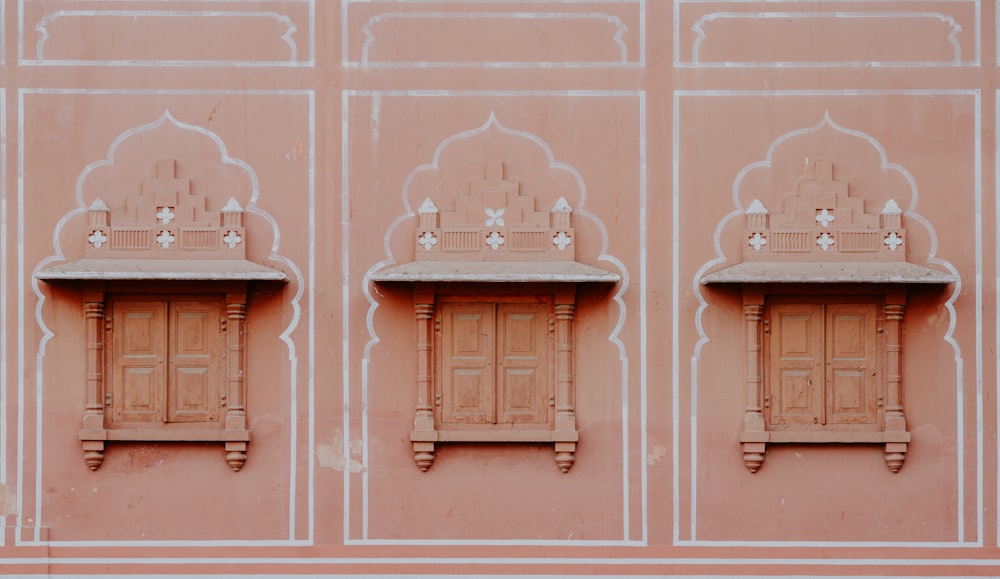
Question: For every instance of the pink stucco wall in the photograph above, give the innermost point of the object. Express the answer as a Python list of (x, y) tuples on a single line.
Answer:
[(659, 123)]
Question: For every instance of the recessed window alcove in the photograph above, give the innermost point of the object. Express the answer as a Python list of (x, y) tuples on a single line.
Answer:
[(494, 282), (824, 286), (164, 280)]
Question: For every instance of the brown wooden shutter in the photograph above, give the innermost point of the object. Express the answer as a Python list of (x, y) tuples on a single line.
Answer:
[(850, 353), (796, 364), (195, 382), (522, 376), (139, 344), (467, 372)]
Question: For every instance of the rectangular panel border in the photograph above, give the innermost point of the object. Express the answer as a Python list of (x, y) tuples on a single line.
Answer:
[(974, 62), (347, 62), (346, 288), (37, 538), (308, 63), (960, 541)]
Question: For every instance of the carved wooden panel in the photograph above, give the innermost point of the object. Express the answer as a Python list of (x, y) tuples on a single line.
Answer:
[(138, 352), (494, 361), (494, 369), (850, 349), (523, 360), (797, 364), (165, 360), (195, 382), (467, 385), (823, 365)]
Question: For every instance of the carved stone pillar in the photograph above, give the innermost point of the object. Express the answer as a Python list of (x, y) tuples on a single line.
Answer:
[(565, 402), (235, 396), (93, 433), (424, 434), (896, 436), (753, 436)]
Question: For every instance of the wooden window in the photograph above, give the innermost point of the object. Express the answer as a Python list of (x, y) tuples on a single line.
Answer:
[(822, 366), (166, 360), (823, 361), (164, 279), (494, 363), (495, 368), (494, 293), (824, 369), (165, 367)]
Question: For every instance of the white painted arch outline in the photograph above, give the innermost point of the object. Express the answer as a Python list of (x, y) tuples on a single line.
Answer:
[(492, 123), (285, 336), (703, 339)]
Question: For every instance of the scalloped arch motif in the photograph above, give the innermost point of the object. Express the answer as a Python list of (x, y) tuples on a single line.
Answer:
[(757, 187), (452, 171), (472, 210), (810, 206), (143, 184), (496, 141), (133, 162)]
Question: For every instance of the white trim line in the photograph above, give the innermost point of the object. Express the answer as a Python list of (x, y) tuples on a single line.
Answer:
[(293, 62), (583, 562), (286, 335), (690, 62), (961, 490), (627, 493), (3, 295), (363, 62)]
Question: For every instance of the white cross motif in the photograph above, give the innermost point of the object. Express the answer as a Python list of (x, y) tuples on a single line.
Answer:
[(824, 241), (561, 240), (165, 215), (824, 218), (494, 217), (97, 238), (757, 241), (494, 240), (427, 240), (232, 239), (893, 241), (165, 238)]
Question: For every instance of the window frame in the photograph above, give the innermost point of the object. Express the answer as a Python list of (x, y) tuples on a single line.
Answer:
[(891, 431), (560, 430), (494, 420), (875, 390), (166, 409), (99, 427)]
